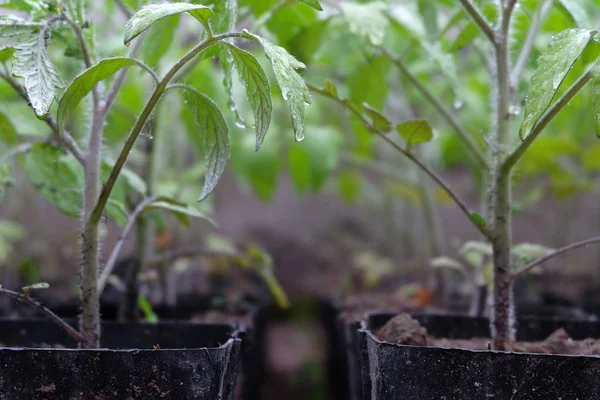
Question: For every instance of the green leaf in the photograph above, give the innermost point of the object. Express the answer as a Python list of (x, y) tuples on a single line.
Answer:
[(6, 53), (152, 13), (40, 285), (596, 95), (478, 220), (258, 92), (85, 82), (576, 11), (40, 78), (349, 186), (55, 178), (182, 211), (415, 132), (75, 10), (379, 121), (259, 169), (8, 133), (293, 88), (7, 179), (553, 66), (313, 3), (366, 20), (527, 252), (224, 16), (149, 314), (428, 11), (159, 40), (312, 161), (213, 133)]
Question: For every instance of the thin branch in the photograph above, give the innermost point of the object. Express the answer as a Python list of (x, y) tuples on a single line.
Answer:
[(534, 27), (441, 108), (479, 19), (65, 139), (555, 253), (112, 260), (461, 205), (143, 118), (552, 112), (23, 298)]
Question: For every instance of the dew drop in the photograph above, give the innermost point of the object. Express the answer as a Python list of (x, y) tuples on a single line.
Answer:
[(514, 110), (458, 104)]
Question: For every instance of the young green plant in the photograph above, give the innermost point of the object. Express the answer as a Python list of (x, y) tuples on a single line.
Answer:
[(548, 96), (25, 42)]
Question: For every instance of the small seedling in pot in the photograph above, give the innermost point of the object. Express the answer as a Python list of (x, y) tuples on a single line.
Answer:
[(24, 52), (477, 269), (563, 70)]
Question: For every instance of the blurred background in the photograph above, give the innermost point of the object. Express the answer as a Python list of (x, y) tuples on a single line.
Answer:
[(339, 212)]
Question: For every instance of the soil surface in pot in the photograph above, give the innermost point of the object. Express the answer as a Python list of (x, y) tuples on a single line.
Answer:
[(403, 329)]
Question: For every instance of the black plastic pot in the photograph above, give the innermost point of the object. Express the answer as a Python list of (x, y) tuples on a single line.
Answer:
[(168, 360), (391, 371), (253, 334)]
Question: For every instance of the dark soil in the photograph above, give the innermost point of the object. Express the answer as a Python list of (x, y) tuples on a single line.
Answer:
[(403, 329)]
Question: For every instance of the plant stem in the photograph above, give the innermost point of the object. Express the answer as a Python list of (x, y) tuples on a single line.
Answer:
[(65, 139), (124, 8), (534, 27), (446, 187), (441, 108), (143, 118), (499, 196), (553, 254), (112, 260), (24, 298), (479, 19)]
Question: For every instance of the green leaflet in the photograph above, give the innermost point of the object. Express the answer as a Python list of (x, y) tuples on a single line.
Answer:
[(313, 3), (151, 13), (214, 133), (415, 132), (367, 20), (29, 42), (553, 66), (293, 88), (85, 82), (313, 160), (8, 133), (576, 11), (258, 91), (55, 178), (182, 211)]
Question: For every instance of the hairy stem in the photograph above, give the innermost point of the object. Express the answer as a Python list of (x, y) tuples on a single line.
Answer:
[(442, 109), (553, 254), (26, 299), (499, 195)]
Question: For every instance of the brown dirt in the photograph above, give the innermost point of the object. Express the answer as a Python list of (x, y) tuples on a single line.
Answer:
[(402, 329)]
